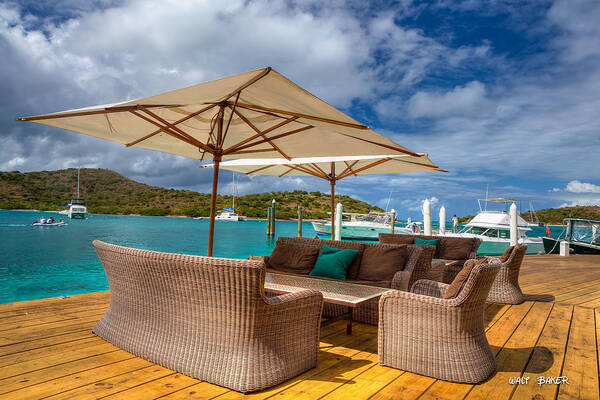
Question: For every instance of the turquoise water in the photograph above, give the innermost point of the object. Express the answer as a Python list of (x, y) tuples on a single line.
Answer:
[(38, 262)]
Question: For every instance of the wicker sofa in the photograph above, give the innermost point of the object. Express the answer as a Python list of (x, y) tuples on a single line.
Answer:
[(417, 266), (421, 332), (208, 317), (449, 250)]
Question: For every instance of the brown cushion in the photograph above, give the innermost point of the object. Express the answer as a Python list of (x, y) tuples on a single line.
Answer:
[(455, 248), (462, 277), (290, 258), (381, 263), (398, 239), (506, 254)]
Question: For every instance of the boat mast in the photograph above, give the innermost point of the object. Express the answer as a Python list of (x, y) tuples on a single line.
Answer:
[(233, 193), (77, 182)]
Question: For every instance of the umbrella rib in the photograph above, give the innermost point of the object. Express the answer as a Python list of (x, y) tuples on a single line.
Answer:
[(233, 148), (259, 76), (164, 129), (230, 118), (302, 168), (305, 116), (251, 125), (387, 146), (418, 163), (259, 169), (271, 138), (178, 130), (349, 168), (94, 112), (318, 168), (286, 172), (254, 151), (156, 132), (373, 164)]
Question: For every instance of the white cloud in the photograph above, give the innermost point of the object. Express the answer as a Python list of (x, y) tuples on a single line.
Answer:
[(582, 187), (458, 101)]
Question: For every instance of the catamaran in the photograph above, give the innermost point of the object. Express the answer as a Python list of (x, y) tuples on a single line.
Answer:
[(228, 213), (78, 207)]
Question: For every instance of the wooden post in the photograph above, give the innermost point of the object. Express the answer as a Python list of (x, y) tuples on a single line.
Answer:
[(269, 221), (299, 221), (213, 207), (393, 221), (273, 213)]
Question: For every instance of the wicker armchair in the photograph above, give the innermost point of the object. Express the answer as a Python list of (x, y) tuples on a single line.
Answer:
[(208, 317), (421, 332), (505, 288)]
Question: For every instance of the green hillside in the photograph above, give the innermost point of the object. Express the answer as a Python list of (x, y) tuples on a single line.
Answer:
[(108, 192)]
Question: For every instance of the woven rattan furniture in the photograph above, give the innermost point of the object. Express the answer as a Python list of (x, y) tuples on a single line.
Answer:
[(208, 317), (349, 295), (506, 289), (421, 332), (417, 266)]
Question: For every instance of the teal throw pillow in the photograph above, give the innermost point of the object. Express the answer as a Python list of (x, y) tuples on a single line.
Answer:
[(427, 242), (333, 263)]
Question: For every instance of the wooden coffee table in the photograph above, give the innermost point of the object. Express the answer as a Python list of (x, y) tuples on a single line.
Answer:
[(342, 293)]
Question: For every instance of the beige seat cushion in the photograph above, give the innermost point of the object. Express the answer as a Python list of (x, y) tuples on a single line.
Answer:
[(381, 263), (461, 278)]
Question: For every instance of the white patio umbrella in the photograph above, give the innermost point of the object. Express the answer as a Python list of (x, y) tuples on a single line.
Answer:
[(332, 169), (257, 114)]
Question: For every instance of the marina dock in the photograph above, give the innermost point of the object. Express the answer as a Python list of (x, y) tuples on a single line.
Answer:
[(47, 350)]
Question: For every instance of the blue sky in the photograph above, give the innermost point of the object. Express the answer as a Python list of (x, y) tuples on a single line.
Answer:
[(500, 93)]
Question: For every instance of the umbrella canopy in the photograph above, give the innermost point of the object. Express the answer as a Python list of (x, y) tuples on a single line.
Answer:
[(333, 168), (258, 114)]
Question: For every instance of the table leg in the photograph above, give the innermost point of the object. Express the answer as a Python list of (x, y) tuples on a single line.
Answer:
[(349, 326)]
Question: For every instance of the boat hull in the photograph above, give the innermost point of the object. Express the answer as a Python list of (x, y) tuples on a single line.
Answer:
[(552, 246), (353, 232)]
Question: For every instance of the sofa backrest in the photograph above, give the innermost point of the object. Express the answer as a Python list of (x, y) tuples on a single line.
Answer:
[(417, 257), (192, 289), (448, 247)]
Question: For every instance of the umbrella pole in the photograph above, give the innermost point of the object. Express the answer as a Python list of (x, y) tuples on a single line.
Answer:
[(213, 207), (332, 209)]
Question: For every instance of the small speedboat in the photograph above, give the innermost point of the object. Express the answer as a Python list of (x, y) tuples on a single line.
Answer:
[(49, 224)]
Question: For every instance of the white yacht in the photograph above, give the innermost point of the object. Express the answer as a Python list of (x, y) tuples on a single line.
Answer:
[(367, 227), (228, 213), (493, 227)]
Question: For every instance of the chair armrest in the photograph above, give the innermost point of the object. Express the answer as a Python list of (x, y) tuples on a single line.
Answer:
[(410, 300), (401, 280), (309, 298), (429, 288)]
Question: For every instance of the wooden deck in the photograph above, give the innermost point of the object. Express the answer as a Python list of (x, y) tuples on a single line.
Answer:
[(47, 350)]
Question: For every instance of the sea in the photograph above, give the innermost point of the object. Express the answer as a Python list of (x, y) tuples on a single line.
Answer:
[(38, 261)]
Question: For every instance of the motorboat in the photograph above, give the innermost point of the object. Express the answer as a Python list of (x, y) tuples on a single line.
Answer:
[(493, 228), (366, 227), (37, 223), (581, 235)]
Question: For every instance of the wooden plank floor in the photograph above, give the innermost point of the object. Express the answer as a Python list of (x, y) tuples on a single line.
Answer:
[(47, 350)]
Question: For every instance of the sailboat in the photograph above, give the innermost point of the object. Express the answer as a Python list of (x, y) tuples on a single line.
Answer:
[(78, 207), (228, 213)]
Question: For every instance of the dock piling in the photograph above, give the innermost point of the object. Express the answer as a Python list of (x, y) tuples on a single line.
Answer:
[(299, 221)]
